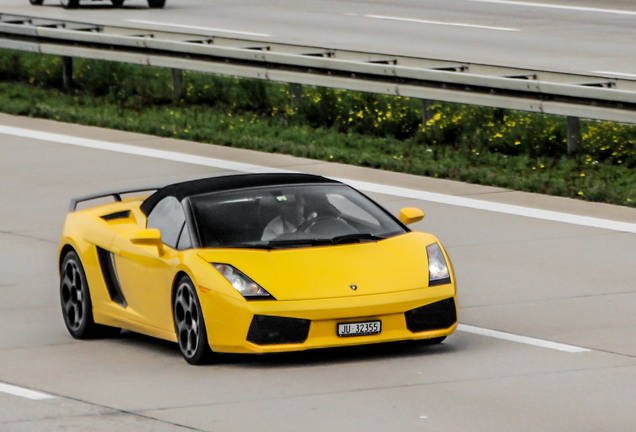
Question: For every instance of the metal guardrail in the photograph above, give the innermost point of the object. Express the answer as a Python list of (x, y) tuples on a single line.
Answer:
[(574, 95)]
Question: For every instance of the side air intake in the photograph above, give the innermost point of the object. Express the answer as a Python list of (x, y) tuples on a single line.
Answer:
[(107, 263), (117, 215)]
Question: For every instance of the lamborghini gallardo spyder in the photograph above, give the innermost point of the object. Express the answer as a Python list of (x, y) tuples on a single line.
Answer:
[(253, 263)]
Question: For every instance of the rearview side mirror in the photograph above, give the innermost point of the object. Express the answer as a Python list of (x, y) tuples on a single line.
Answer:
[(148, 237), (411, 215)]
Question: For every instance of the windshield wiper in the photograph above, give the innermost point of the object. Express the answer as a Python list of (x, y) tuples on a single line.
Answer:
[(299, 242), (349, 238), (250, 246), (277, 244), (355, 238)]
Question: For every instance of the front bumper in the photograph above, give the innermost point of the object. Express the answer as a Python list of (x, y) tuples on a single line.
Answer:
[(229, 321)]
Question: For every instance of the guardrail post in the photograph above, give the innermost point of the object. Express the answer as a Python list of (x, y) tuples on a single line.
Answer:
[(67, 72), (296, 91), (427, 114), (574, 134), (177, 84)]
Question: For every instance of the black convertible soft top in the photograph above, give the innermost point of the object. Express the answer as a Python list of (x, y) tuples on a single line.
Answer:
[(231, 182)]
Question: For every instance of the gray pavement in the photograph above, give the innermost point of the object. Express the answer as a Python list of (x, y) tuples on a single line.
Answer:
[(547, 280), (547, 38)]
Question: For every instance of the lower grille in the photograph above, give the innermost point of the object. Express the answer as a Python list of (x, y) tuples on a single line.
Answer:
[(273, 330), (434, 316)]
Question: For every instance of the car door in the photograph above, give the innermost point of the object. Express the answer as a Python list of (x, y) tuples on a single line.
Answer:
[(146, 275)]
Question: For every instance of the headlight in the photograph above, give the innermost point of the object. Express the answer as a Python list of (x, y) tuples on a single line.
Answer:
[(438, 273), (243, 284)]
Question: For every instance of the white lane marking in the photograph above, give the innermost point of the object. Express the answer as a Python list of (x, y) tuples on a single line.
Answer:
[(365, 186), (137, 151), (22, 392), (199, 28), (616, 73), (392, 18), (555, 6), (521, 339)]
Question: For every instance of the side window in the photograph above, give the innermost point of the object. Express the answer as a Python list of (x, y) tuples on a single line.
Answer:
[(169, 218), (350, 209), (184, 239)]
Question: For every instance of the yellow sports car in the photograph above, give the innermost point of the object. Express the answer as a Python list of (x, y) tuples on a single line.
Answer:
[(253, 263)]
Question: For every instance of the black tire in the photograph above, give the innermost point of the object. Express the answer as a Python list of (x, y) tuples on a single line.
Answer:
[(70, 4), (190, 325), (36, 2), (429, 342), (75, 299), (156, 4), (117, 3)]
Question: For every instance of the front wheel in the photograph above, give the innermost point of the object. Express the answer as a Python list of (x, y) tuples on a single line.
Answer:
[(75, 297), (189, 324), (156, 4), (36, 2), (117, 3), (70, 4)]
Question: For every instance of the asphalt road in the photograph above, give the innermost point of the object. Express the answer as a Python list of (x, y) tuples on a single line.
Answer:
[(564, 35), (535, 278), (540, 279)]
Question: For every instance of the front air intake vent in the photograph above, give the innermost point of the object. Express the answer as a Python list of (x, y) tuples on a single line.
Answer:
[(273, 330), (435, 316)]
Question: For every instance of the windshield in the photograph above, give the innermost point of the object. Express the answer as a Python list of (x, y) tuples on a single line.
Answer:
[(290, 216)]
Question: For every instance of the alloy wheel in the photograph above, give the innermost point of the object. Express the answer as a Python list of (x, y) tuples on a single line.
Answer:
[(73, 302), (187, 316)]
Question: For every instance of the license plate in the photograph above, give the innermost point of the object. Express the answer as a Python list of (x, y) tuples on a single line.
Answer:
[(359, 328)]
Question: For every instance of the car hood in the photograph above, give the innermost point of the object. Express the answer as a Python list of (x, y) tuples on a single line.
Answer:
[(396, 264)]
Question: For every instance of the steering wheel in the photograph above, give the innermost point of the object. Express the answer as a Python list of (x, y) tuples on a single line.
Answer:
[(308, 224)]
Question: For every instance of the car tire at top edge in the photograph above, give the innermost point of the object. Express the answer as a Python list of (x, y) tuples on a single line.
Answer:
[(70, 4), (156, 4), (429, 342)]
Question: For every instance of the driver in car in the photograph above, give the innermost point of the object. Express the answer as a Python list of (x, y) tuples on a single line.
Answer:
[(291, 216)]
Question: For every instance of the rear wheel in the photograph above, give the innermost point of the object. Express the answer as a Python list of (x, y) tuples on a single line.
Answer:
[(70, 4), (117, 3), (36, 2), (189, 324), (156, 4), (75, 297)]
